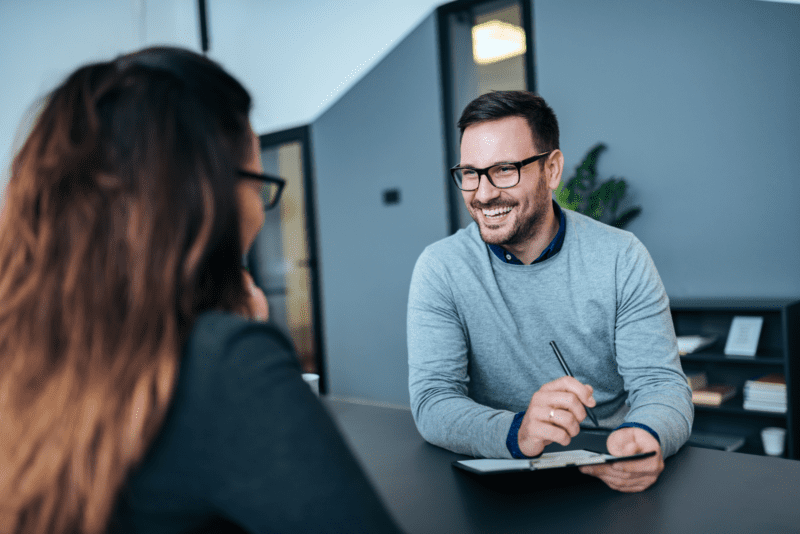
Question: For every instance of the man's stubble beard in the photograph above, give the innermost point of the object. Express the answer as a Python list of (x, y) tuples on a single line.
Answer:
[(522, 231)]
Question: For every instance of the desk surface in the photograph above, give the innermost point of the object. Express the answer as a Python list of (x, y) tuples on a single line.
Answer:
[(700, 490)]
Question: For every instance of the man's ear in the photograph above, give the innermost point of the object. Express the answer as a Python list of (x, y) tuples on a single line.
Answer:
[(553, 166)]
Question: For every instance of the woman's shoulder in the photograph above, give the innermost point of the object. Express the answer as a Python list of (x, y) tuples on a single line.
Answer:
[(223, 343), (220, 331)]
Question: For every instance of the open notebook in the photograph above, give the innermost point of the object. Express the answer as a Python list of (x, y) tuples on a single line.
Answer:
[(548, 460)]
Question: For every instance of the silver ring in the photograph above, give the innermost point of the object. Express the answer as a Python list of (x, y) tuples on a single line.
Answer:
[(552, 414)]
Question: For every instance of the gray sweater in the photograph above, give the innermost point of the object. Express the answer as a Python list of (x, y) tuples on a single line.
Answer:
[(479, 331)]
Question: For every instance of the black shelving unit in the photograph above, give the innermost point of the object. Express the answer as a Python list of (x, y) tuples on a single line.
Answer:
[(778, 352)]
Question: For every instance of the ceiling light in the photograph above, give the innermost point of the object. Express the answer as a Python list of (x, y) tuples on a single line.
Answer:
[(495, 41)]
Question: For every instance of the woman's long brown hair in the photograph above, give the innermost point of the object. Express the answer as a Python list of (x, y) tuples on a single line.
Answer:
[(119, 226)]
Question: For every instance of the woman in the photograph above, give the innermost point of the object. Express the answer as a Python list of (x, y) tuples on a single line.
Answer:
[(135, 396)]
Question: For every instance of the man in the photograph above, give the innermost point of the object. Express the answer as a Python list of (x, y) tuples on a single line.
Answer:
[(485, 303)]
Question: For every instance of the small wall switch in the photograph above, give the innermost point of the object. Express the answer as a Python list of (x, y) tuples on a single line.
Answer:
[(391, 196)]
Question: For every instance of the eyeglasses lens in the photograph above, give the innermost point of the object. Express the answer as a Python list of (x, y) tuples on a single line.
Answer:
[(269, 194), (502, 176)]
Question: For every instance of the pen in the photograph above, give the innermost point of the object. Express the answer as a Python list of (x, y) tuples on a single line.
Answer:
[(564, 366)]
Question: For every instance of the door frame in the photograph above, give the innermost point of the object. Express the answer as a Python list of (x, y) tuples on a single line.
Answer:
[(302, 134)]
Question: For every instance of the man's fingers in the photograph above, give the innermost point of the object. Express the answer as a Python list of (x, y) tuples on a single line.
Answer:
[(645, 465), (567, 383), (632, 475), (626, 469), (539, 428), (560, 428), (563, 419), (559, 400), (620, 480)]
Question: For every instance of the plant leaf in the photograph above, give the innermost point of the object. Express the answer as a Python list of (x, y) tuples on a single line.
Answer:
[(567, 198), (627, 217)]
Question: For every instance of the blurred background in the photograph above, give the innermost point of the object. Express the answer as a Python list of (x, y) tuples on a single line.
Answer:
[(356, 104)]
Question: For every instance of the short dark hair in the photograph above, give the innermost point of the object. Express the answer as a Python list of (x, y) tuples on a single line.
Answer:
[(501, 104)]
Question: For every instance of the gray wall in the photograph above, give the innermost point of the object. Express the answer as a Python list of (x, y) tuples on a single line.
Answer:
[(384, 133), (42, 41), (698, 103)]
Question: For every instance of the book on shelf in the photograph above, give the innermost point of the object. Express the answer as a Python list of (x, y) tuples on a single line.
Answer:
[(770, 382), (765, 396), (766, 393), (712, 440), (713, 395), (697, 380), (690, 344), (764, 406)]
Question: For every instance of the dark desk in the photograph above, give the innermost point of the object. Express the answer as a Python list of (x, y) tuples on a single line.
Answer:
[(700, 490)]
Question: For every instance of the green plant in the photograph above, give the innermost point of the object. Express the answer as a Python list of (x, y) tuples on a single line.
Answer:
[(599, 199)]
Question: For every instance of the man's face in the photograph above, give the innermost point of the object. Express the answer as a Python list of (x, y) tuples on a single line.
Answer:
[(514, 216)]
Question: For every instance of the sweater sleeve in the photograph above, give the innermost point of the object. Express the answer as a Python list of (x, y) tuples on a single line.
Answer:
[(647, 352), (438, 371), (272, 459)]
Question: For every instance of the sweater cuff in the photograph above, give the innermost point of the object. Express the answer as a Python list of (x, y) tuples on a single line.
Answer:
[(512, 442), (631, 424)]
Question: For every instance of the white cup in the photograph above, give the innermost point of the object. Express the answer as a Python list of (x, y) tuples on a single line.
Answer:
[(312, 379), (773, 440)]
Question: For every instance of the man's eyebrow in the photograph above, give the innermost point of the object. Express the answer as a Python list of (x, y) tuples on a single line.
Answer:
[(470, 166)]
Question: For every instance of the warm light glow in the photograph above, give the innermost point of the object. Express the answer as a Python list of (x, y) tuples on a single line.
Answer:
[(495, 41)]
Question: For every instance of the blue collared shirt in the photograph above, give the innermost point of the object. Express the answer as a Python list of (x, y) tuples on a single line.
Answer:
[(549, 251)]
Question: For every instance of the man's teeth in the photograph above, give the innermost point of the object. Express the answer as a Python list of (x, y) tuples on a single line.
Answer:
[(496, 212)]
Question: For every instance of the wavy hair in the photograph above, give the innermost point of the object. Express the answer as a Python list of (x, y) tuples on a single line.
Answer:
[(120, 226)]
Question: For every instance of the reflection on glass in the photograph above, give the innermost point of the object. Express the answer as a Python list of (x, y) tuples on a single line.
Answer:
[(498, 26), (495, 41), (282, 253)]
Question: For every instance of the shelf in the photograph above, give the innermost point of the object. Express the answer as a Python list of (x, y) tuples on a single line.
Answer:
[(731, 305), (734, 407), (778, 352), (770, 358)]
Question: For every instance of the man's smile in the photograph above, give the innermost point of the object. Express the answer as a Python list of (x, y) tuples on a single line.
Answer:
[(496, 213)]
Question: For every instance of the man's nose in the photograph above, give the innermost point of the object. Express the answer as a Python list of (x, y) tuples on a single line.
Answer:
[(486, 191)]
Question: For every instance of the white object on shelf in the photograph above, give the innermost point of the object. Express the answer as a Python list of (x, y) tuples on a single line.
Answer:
[(743, 336), (690, 344), (773, 438)]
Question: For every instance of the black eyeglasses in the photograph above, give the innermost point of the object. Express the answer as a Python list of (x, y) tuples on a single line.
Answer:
[(271, 187), (502, 175)]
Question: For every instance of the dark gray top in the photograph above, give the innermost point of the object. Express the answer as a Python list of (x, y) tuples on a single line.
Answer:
[(246, 446)]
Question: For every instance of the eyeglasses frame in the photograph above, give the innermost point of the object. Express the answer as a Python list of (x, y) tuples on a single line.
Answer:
[(280, 182), (485, 172)]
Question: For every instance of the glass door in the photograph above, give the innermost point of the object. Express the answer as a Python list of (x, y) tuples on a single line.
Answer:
[(282, 260), (484, 46)]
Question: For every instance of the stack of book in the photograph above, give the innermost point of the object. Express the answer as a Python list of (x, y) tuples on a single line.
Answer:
[(713, 395), (766, 394), (697, 380), (706, 395)]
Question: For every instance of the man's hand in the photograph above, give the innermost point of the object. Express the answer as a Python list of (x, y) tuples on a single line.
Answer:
[(554, 415), (635, 475)]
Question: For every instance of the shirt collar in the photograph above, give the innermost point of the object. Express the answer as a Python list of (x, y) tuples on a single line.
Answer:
[(549, 251)]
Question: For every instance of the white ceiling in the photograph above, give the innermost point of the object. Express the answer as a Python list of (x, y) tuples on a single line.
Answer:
[(295, 56)]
